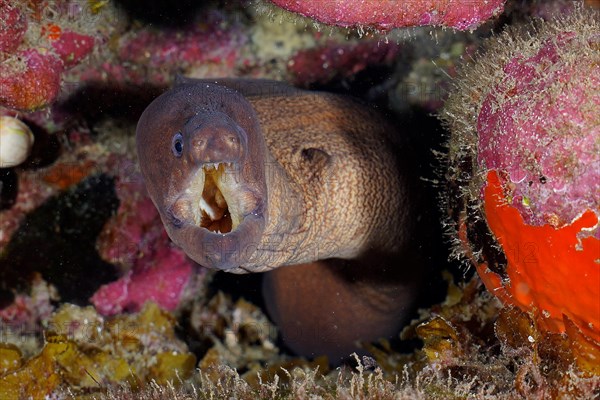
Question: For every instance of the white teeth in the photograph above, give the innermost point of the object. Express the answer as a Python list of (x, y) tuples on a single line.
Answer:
[(215, 166)]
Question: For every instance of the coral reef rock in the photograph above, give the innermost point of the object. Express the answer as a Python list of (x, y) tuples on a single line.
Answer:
[(524, 177)]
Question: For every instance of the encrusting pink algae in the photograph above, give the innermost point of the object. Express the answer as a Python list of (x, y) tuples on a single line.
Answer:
[(388, 14)]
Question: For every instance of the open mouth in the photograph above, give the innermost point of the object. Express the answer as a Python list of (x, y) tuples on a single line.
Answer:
[(213, 209), (213, 199), (216, 215)]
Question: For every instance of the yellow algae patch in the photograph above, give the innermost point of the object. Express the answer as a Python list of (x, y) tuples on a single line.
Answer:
[(85, 352)]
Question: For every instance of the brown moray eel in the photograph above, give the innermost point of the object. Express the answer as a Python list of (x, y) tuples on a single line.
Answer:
[(252, 175)]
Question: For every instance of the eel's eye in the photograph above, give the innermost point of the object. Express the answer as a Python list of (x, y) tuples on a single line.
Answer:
[(177, 144)]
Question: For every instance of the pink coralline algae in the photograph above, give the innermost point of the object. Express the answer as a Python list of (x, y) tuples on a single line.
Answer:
[(133, 231), (169, 47), (34, 53), (323, 64), (388, 14), (215, 45), (72, 47), (540, 124), (31, 80), (160, 276), (135, 240), (13, 25)]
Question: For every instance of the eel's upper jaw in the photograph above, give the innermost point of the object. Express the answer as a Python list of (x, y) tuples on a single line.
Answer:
[(217, 217)]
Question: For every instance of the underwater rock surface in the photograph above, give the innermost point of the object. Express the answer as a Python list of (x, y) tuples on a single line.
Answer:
[(524, 182), (39, 42)]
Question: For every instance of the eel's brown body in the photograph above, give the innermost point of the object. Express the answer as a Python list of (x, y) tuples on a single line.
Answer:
[(251, 175)]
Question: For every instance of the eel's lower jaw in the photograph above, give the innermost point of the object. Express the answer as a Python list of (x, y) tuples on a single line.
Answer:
[(233, 250), (230, 251), (217, 220)]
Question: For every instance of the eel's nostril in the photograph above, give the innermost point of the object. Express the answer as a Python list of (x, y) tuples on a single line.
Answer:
[(175, 220)]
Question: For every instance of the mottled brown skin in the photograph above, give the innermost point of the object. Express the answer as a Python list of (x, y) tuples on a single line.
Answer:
[(318, 184)]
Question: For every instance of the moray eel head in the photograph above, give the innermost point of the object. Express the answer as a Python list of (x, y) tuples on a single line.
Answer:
[(201, 154)]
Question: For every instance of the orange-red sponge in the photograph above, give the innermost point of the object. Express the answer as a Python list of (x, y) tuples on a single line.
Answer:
[(551, 272)]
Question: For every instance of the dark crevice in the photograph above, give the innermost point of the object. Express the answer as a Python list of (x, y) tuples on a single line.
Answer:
[(58, 240)]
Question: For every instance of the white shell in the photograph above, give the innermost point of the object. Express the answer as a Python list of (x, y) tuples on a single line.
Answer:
[(16, 140)]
